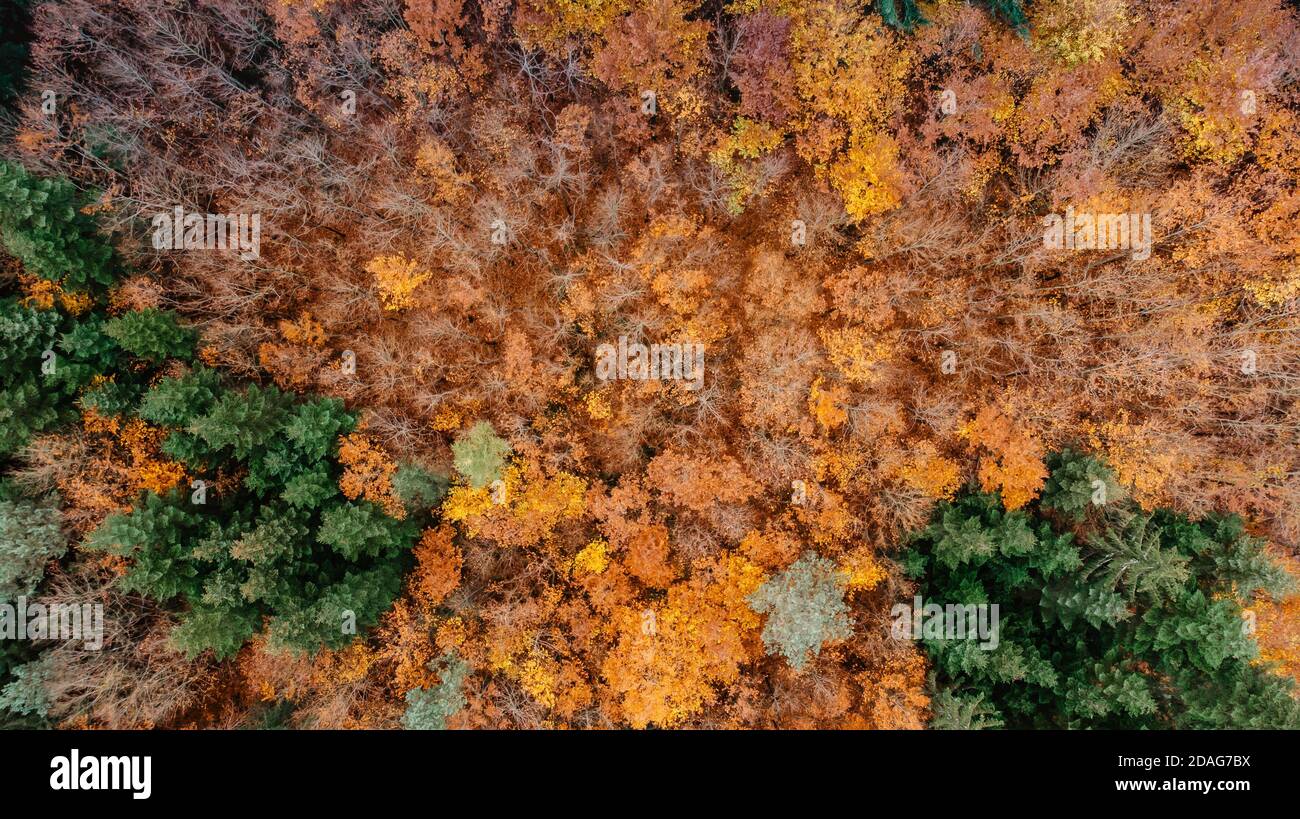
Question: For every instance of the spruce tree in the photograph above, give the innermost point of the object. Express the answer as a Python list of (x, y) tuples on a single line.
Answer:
[(1109, 617), (41, 223)]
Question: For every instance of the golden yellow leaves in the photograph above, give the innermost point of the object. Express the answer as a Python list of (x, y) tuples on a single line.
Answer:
[(537, 678), (855, 354), (451, 635), (868, 176), (397, 278), (597, 406), (931, 473), (1013, 461), (748, 140), (1079, 31), (593, 559), (1275, 293), (547, 23), (861, 570), (468, 506), (522, 509), (827, 405), (43, 293)]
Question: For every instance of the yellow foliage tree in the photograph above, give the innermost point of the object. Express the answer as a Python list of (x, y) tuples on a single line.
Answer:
[(397, 278)]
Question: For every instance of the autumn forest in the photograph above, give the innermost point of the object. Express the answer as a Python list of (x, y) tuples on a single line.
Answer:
[(607, 364)]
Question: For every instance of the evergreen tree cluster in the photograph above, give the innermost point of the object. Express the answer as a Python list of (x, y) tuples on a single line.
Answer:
[(285, 546), (1110, 616), (262, 536)]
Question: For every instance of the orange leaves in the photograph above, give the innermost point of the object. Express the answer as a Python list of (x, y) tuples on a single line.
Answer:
[(647, 556), (773, 548), (697, 482), (1143, 457), (438, 564), (150, 470), (1277, 625), (828, 518), (305, 330), (435, 165), (368, 472), (894, 693), (654, 48), (852, 238), (328, 690), (827, 405), (397, 278), (43, 293), (668, 657), (435, 21), (294, 363), (404, 642), (571, 128), (1013, 461)]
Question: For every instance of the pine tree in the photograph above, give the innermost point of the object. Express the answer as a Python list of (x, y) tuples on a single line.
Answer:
[(1129, 557), (159, 535), (905, 15), (27, 404), (362, 529), (805, 609), (1078, 484), (30, 536), (152, 334), (957, 712), (480, 455), (901, 14), (1115, 618), (241, 422), (175, 401), (418, 488), (41, 224), (427, 709)]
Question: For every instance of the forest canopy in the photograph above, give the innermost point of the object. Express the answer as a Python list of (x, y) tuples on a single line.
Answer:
[(531, 364)]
